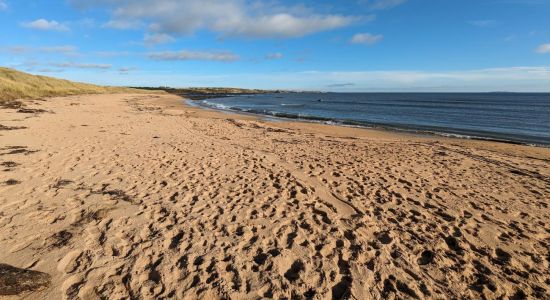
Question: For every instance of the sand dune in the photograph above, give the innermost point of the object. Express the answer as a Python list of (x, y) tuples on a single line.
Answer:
[(137, 196), (16, 85)]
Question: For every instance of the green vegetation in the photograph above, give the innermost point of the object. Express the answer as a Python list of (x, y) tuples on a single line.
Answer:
[(199, 93), (15, 85), (208, 90)]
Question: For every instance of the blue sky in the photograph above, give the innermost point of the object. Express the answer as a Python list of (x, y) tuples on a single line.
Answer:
[(346, 45)]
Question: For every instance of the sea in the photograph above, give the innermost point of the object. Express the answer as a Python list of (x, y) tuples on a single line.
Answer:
[(522, 118)]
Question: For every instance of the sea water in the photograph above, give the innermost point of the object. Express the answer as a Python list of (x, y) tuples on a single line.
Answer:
[(510, 117)]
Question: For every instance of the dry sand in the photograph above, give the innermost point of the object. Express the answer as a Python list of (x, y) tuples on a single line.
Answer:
[(138, 196)]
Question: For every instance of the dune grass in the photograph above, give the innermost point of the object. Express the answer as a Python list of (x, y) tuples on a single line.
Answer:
[(15, 85)]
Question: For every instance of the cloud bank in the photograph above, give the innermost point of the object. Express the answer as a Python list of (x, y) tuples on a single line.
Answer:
[(383, 4), (250, 19), (193, 55), (513, 79), (543, 49), (157, 38), (366, 38), (43, 24), (81, 65), (63, 49)]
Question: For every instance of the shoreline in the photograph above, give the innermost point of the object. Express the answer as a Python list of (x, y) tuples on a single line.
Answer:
[(120, 195), (542, 152), (388, 128), (422, 130)]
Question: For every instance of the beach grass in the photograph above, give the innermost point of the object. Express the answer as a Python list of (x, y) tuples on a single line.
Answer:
[(15, 85)]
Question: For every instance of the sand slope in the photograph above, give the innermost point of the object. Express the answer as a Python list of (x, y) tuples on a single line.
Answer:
[(16, 85), (135, 196)]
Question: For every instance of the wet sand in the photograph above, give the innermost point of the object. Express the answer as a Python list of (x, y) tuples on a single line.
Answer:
[(139, 196)]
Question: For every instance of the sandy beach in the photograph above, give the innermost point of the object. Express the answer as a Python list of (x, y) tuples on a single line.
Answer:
[(140, 196)]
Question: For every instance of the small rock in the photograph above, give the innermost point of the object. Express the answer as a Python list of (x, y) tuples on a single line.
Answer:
[(14, 281)]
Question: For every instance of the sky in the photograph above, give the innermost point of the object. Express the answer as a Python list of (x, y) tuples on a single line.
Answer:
[(341, 46)]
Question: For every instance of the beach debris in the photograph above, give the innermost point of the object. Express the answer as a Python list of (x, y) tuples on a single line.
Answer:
[(12, 182), (62, 183), (11, 104), (4, 127), (31, 111), (9, 164), (14, 281), (60, 239), (16, 150)]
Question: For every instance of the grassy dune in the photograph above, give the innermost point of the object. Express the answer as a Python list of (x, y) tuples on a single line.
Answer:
[(16, 85)]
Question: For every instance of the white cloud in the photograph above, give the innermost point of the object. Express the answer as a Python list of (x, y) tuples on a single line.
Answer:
[(384, 4), (66, 49), (254, 19), (369, 18), (63, 49), (544, 48), (81, 65), (282, 25), (48, 70), (123, 24), (366, 38), (126, 70), (157, 38), (340, 85), (43, 24), (194, 55), (16, 49), (3, 5), (274, 56)]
